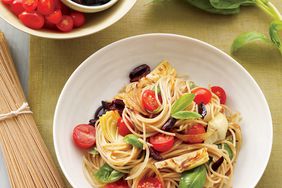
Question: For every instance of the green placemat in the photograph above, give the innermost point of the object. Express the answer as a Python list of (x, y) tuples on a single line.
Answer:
[(52, 61)]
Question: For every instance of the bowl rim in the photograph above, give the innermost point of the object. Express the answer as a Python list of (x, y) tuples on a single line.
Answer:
[(98, 8), (61, 36), (176, 36)]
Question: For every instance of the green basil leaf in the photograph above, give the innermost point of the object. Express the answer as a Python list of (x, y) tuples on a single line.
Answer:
[(246, 38), (194, 178), (206, 6), (133, 140), (228, 149), (274, 29), (186, 115), (231, 4), (183, 102), (106, 174)]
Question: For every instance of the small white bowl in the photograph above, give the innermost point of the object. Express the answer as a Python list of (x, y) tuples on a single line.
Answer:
[(88, 8), (95, 22)]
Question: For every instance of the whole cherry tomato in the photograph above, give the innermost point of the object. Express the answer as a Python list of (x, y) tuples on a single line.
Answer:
[(17, 7), (46, 7), (55, 17), (78, 18), (32, 20), (66, 24), (30, 5)]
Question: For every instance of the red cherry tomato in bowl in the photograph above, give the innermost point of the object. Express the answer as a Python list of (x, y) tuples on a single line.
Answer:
[(219, 91), (7, 2), (150, 182), (202, 95), (162, 142), (66, 24), (46, 7), (149, 100), (78, 18), (17, 7), (84, 136), (55, 17), (30, 5), (32, 20), (122, 128), (117, 184), (195, 130)]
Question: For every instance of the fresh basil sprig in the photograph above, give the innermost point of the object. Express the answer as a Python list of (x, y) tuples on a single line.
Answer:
[(106, 174), (274, 29), (194, 178), (227, 7), (178, 107), (247, 38)]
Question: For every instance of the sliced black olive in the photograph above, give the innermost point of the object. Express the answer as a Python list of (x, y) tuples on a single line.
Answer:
[(155, 155), (202, 110), (92, 121), (139, 72), (217, 163), (99, 112), (169, 124), (106, 105)]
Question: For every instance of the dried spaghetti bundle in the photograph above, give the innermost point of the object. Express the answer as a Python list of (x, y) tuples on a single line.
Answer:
[(27, 158)]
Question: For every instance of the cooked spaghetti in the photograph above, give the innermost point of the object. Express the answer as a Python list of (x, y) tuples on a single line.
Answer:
[(161, 131)]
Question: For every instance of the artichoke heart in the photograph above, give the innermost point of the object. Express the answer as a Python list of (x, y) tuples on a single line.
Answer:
[(219, 126), (186, 161), (108, 123)]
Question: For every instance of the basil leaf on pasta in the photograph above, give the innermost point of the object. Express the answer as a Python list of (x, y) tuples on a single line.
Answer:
[(106, 174), (133, 140), (194, 178), (186, 115), (183, 102)]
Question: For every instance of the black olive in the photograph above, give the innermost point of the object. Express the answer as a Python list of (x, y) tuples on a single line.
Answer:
[(155, 155), (138, 72), (217, 163), (106, 105), (92, 121), (93, 2), (99, 112), (202, 110), (169, 124)]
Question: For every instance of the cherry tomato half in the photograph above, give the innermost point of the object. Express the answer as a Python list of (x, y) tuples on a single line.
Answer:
[(162, 142), (78, 18), (84, 136), (150, 182), (202, 95), (46, 7), (117, 184), (219, 91), (194, 130), (122, 128), (66, 24), (30, 5), (149, 100), (55, 17), (17, 7), (32, 20)]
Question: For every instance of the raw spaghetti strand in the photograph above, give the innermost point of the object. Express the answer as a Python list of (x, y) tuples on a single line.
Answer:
[(27, 159)]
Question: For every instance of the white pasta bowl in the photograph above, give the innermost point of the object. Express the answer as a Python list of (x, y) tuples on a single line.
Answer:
[(104, 73)]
